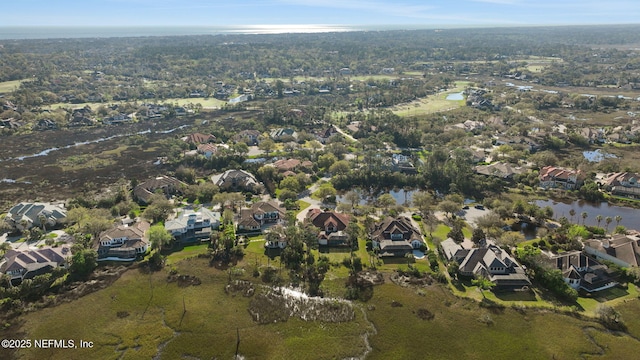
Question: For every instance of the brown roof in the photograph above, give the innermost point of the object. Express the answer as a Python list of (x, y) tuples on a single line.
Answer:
[(145, 190), (401, 224), (321, 219), (198, 138), (286, 165)]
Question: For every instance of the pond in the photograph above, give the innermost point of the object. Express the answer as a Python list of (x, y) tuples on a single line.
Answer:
[(597, 155), (630, 216), (402, 197), (456, 96)]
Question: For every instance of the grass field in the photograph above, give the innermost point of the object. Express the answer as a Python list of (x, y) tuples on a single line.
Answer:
[(461, 329), (142, 314), (434, 103), (9, 86), (206, 103)]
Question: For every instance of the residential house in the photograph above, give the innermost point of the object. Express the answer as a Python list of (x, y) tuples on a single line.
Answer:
[(592, 135), (582, 272), (27, 264), (198, 138), (261, 214), (325, 134), (468, 126), (453, 251), (208, 150), (402, 163), (396, 237), (285, 165), (193, 225), (45, 124), (124, 242), (118, 119), (10, 123), (250, 137), (26, 215), (237, 180), (497, 266), (622, 250), (281, 134), (556, 177), (332, 226), (165, 184), (500, 169), (623, 184)]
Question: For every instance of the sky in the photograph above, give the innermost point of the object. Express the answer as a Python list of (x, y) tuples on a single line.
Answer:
[(423, 13)]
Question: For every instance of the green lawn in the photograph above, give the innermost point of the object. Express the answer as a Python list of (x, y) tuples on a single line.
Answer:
[(187, 252), (9, 86)]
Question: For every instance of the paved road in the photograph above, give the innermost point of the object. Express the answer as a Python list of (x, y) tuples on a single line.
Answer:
[(306, 197)]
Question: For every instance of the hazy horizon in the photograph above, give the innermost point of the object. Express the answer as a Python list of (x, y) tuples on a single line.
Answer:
[(352, 13)]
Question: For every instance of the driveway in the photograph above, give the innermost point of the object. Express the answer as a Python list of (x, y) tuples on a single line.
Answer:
[(306, 197)]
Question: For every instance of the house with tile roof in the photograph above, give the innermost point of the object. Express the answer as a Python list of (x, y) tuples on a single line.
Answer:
[(332, 226), (124, 242), (500, 169), (396, 237), (198, 138), (556, 177), (20, 265), (623, 184), (26, 215), (193, 225)]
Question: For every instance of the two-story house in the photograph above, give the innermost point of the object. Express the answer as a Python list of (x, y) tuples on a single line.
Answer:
[(582, 272), (193, 225), (124, 242), (624, 184), (167, 184), (20, 265), (332, 225), (496, 265), (555, 177), (27, 215), (396, 237), (260, 214)]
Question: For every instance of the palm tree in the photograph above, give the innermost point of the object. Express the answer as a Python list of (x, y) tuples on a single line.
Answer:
[(608, 220), (599, 219), (618, 219), (4, 247), (572, 213), (584, 216)]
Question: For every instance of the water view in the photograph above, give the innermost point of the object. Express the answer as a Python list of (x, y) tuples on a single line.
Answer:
[(597, 155), (456, 96), (630, 216)]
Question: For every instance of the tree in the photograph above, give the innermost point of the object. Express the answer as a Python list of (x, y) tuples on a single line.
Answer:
[(483, 284), (584, 216), (449, 207), (83, 262), (326, 190), (608, 221), (352, 197), (423, 201), (511, 238), (456, 234), (478, 235), (159, 209), (4, 247), (572, 213), (158, 237), (618, 219), (267, 145), (599, 219), (341, 167), (386, 201)]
